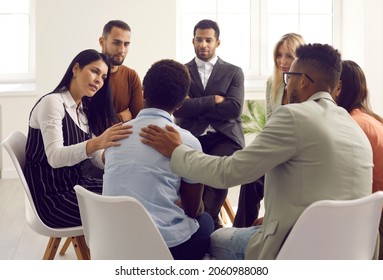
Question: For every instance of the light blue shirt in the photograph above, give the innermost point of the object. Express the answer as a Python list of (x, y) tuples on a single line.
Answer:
[(137, 170)]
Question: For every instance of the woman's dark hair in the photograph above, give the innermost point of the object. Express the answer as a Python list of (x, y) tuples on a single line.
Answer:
[(354, 92), (99, 108)]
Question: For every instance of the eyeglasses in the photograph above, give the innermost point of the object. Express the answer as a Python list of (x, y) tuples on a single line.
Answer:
[(286, 76)]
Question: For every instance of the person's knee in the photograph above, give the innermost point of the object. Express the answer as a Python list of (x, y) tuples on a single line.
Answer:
[(221, 244), (220, 237)]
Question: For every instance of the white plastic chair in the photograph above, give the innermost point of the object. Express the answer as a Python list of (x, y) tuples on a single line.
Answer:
[(119, 228), (335, 230), (15, 144)]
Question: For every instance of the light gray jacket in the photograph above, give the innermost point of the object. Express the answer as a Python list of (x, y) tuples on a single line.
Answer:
[(309, 151)]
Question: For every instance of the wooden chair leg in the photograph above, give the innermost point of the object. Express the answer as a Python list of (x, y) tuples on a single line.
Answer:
[(68, 241), (229, 210), (222, 216), (80, 247), (52, 247)]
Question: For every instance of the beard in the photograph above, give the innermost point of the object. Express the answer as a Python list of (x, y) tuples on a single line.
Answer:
[(115, 62), (294, 98)]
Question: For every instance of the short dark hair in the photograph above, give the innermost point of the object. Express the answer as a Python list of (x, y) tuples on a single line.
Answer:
[(115, 23), (166, 84), (207, 24), (324, 59)]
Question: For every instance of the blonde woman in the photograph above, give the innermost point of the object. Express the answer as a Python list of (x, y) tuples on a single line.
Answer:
[(251, 194), (284, 54)]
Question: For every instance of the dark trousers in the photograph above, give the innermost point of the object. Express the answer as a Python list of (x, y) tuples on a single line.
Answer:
[(219, 145), (249, 202), (199, 243)]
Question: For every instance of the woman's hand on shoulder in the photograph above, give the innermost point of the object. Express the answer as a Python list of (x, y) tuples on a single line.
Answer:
[(109, 138)]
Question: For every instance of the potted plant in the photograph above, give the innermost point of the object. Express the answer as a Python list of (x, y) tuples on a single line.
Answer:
[(254, 119)]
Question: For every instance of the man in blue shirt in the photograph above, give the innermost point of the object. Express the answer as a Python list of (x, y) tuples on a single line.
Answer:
[(137, 170)]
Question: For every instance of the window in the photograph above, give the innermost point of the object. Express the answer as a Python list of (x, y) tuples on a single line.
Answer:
[(250, 29), (17, 50)]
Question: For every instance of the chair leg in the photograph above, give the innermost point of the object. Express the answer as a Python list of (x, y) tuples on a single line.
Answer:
[(80, 247), (52, 247), (229, 210), (68, 241), (222, 216)]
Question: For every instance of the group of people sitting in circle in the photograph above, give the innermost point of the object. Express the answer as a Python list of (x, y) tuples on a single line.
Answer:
[(175, 142)]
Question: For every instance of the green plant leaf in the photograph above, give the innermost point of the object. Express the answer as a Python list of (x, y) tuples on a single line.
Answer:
[(255, 119)]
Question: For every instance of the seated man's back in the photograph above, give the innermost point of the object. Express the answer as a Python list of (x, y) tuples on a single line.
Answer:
[(137, 170), (134, 169)]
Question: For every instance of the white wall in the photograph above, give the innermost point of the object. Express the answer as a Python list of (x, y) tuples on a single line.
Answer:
[(362, 41), (64, 28), (373, 52)]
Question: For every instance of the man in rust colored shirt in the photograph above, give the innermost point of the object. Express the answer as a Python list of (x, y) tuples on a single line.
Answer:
[(124, 81)]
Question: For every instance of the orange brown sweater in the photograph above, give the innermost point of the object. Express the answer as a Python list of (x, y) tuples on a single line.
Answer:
[(126, 90)]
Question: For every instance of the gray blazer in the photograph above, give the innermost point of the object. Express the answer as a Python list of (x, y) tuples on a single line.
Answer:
[(309, 151), (200, 110)]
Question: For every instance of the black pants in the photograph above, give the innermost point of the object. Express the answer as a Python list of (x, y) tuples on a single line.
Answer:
[(249, 202), (199, 243), (219, 145)]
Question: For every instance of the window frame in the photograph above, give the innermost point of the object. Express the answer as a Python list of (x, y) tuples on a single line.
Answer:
[(10, 82), (256, 77)]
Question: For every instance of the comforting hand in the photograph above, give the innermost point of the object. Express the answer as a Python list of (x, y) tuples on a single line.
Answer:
[(109, 138), (113, 134), (163, 140)]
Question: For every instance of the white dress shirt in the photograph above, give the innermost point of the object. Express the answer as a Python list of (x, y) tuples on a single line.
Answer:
[(47, 116), (204, 69)]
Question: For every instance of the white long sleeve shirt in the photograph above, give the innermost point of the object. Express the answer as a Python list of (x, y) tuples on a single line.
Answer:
[(47, 116)]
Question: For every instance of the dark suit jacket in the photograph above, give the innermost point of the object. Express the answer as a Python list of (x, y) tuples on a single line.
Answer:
[(200, 110)]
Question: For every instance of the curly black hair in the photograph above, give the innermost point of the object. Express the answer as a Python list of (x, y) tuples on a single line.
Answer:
[(166, 85)]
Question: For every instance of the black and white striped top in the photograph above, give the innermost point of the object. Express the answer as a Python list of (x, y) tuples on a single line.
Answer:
[(52, 188)]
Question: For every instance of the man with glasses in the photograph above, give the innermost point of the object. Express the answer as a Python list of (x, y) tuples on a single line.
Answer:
[(309, 151), (286, 76)]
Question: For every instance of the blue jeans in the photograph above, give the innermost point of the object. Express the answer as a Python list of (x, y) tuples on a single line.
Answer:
[(230, 243)]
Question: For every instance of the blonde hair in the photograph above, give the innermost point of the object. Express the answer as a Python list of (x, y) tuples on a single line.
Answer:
[(292, 41)]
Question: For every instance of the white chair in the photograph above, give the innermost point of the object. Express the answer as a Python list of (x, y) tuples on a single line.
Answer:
[(335, 230), (15, 144), (119, 228)]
